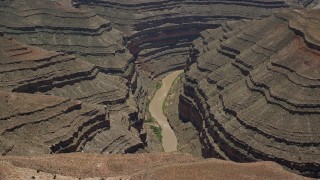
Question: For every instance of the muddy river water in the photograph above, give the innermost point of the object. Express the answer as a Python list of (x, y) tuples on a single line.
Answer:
[(169, 139)]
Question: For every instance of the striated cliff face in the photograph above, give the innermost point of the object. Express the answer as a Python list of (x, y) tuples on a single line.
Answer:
[(252, 90), (39, 124), (70, 82), (160, 32), (71, 126), (107, 77), (56, 25)]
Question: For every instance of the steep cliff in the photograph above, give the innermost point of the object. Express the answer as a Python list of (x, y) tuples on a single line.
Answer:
[(70, 82), (39, 124), (108, 77), (160, 32), (56, 25), (252, 90), (28, 69)]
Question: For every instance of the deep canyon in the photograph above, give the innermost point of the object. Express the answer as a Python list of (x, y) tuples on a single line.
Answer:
[(77, 78)]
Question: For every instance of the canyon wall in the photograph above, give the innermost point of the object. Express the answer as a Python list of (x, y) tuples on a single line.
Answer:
[(71, 82), (91, 61), (77, 120), (252, 91), (160, 32), (39, 124)]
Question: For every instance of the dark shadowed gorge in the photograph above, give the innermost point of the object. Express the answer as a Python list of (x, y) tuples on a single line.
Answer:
[(77, 78)]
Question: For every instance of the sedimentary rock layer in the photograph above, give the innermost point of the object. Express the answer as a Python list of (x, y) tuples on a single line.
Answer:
[(252, 90), (29, 69), (160, 32), (39, 124), (56, 25), (108, 77), (138, 166)]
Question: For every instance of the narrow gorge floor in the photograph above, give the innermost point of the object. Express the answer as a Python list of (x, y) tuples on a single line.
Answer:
[(169, 140)]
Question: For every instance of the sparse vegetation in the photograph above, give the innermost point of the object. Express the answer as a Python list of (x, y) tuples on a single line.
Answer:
[(164, 104), (157, 131), (159, 85), (149, 120)]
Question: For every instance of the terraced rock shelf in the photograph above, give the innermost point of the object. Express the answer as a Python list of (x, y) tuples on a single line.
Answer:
[(252, 90), (39, 124), (160, 32), (76, 75), (57, 25), (67, 124)]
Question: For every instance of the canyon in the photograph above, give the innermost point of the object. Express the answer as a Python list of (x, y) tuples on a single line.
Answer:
[(78, 78), (252, 91)]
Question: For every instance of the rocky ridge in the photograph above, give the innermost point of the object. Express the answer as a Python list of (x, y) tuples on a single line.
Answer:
[(88, 85), (56, 25), (47, 124), (252, 91), (32, 70), (160, 32)]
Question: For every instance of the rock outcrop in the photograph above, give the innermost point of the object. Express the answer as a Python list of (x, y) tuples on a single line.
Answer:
[(108, 77), (160, 32), (70, 82), (252, 90), (137, 166), (39, 124), (57, 25), (28, 69)]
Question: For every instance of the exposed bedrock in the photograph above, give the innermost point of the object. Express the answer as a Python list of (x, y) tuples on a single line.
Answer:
[(33, 70), (159, 32), (252, 90), (158, 40), (108, 77), (39, 124), (56, 25)]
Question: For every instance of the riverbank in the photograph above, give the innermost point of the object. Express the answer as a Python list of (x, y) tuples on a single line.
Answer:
[(187, 134), (169, 139)]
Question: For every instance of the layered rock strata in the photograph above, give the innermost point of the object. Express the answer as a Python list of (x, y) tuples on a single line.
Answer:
[(39, 124), (160, 32), (56, 25), (109, 77), (252, 90), (29, 69), (158, 37)]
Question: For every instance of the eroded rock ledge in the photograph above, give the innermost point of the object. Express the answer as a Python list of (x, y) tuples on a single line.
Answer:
[(252, 90), (56, 25), (105, 74), (101, 100), (69, 125), (160, 32), (39, 124)]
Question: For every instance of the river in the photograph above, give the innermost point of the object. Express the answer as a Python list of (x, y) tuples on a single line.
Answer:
[(169, 139)]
